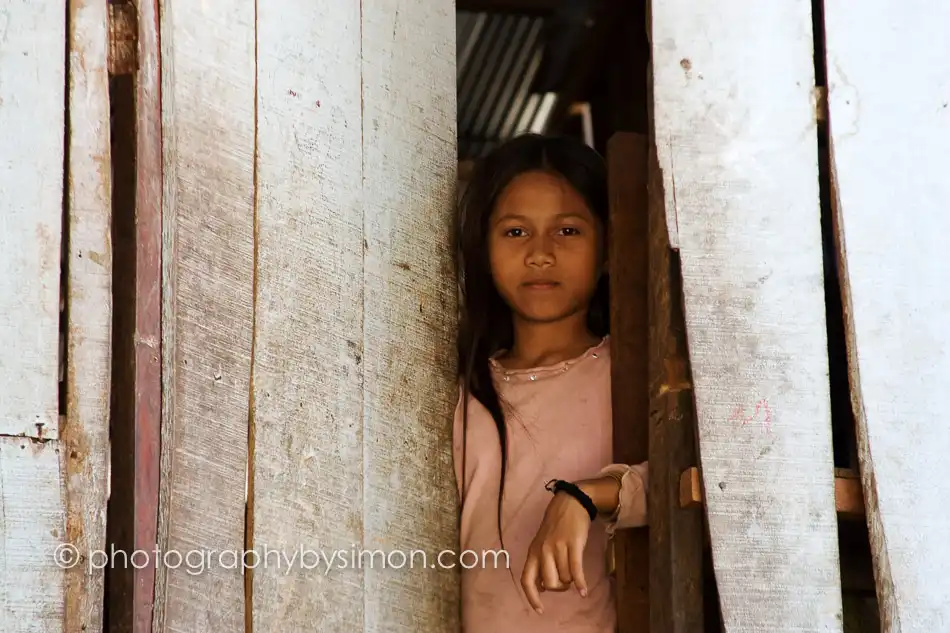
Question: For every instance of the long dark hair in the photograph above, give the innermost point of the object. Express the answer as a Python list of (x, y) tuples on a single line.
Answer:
[(486, 319)]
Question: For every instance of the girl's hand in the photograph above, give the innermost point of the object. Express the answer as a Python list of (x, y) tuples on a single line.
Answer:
[(556, 556)]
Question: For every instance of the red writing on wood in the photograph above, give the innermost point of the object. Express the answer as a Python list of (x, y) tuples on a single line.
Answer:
[(761, 407)]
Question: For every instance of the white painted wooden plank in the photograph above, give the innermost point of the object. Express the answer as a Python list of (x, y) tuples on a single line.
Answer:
[(32, 530), (32, 89), (733, 99), (889, 90), (409, 177), (85, 436), (208, 144), (308, 455)]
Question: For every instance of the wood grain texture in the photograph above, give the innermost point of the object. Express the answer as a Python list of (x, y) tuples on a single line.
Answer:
[(630, 365), (32, 37), (308, 427), (676, 533), (409, 387), (733, 108), (32, 527), (848, 500), (208, 136), (146, 341), (85, 435), (889, 133), (356, 178)]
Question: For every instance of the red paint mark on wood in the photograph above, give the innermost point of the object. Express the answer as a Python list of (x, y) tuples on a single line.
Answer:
[(762, 406)]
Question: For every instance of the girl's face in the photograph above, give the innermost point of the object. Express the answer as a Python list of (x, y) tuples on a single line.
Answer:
[(544, 248)]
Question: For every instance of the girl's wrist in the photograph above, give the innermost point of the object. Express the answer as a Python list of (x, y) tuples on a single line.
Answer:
[(603, 491)]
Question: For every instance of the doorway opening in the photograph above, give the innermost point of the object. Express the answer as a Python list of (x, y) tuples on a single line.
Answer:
[(581, 68)]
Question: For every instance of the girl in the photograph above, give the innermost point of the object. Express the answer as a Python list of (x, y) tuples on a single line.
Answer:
[(533, 428)]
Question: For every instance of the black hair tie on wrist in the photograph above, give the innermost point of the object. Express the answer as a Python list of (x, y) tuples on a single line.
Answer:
[(557, 485)]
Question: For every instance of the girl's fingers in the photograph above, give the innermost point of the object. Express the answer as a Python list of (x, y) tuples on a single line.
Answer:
[(563, 559), (577, 568), (549, 574), (530, 580)]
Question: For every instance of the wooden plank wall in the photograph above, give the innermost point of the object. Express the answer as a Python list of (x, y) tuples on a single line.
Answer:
[(309, 434), (629, 325), (677, 538), (410, 311), (55, 188), (208, 180), (32, 503), (34, 78), (307, 204), (85, 434), (889, 131), (735, 131)]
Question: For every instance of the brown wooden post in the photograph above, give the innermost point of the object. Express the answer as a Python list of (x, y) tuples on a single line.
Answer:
[(629, 323), (676, 533), (148, 304)]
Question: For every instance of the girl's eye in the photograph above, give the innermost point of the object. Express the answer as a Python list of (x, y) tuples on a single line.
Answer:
[(514, 233), (569, 230)]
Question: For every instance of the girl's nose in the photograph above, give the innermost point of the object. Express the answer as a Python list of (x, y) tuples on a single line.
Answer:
[(540, 251)]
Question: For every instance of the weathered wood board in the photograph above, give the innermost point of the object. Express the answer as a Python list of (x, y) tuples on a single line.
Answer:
[(676, 533), (33, 550), (890, 129), (630, 365), (410, 313), (356, 178), (208, 142), (85, 434), (32, 85), (32, 495), (733, 85), (309, 444), (146, 337)]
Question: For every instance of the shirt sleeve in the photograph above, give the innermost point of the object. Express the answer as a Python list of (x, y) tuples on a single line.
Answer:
[(632, 506)]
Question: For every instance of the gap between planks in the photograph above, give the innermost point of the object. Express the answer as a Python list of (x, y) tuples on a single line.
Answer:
[(849, 500)]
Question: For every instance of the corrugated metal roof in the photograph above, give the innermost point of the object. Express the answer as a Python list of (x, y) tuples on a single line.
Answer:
[(500, 57)]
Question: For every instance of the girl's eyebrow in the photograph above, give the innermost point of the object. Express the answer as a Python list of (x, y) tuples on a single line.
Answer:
[(559, 216), (572, 214)]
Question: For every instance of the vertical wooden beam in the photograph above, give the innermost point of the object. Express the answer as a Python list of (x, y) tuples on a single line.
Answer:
[(735, 133), (148, 296), (889, 132), (410, 312), (208, 111), (308, 426), (629, 324), (85, 434), (32, 507), (32, 40), (676, 543), (355, 293)]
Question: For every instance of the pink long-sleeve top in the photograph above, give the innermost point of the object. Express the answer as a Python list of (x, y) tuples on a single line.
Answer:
[(561, 429)]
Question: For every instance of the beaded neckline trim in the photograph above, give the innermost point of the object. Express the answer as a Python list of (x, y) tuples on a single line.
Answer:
[(533, 373)]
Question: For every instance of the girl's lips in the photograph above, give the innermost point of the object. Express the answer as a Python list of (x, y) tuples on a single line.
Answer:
[(540, 285)]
